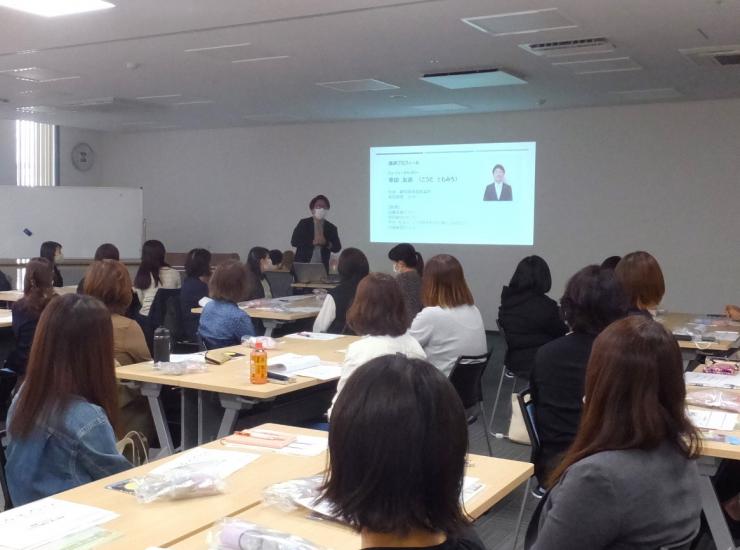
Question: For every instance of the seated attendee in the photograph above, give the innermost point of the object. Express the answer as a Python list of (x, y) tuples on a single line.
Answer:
[(37, 293), (194, 288), (378, 314), (449, 325), (315, 238), (52, 251), (733, 312), (222, 323), (409, 267), (593, 299), (258, 261), (276, 257), (642, 280), (629, 480), (61, 423), (154, 273), (611, 262), (353, 266), (5, 283), (105, 251), (393, 497), (529, 317), (287, 262), (109, 281)]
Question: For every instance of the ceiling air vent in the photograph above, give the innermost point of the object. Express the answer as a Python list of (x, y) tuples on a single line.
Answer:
[(714, 56), (563, 48)]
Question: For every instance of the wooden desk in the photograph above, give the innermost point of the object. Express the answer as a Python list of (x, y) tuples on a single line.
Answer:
[(499, 476), (674, 321), (15, 295), (6, 318), (273, 318), (230, 383), (164, 523), (712, 452)]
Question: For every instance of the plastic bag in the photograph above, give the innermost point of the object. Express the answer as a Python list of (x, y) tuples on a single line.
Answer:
[(236, 534), (266, 341), (184, 367), (188, 481), (289, 495), (715, 399)]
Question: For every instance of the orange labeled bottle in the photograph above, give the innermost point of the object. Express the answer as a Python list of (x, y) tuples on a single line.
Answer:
[(258, 365)]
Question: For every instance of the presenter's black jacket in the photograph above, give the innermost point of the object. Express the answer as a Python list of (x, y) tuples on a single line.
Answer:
[(490, 194), (529, 320), (302, 240)]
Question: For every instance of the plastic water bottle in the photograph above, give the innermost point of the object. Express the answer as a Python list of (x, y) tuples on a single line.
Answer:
[(161, 347), (258, 365)]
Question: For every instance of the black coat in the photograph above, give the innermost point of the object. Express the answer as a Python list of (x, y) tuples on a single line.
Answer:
[(529, 320), (24, 328), (302, 240), (557, 383)]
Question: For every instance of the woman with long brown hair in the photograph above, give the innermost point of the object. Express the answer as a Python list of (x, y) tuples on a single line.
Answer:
[(38, 290), (60, 425), (629, 479)]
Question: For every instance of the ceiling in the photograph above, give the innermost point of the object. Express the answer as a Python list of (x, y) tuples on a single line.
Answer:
[(98, 64)]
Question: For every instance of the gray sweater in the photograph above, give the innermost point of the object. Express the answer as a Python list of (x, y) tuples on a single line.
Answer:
[(619, 500)]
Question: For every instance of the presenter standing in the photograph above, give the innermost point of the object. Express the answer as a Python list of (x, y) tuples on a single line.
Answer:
[(499, 190), (315, 238)]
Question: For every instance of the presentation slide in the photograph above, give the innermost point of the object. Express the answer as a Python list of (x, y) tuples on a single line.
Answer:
[(475, 193)]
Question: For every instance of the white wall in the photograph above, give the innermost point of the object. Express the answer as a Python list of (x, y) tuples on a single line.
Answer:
[(68, 138), (660, 177), (7, 152), (68, 174)]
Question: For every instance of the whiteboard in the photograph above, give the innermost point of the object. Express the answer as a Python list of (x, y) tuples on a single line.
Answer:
[(79, 218)]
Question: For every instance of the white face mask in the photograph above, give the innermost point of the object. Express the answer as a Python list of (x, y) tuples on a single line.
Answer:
[(396, 268), (267, 266), (58, 257), (319, 213)]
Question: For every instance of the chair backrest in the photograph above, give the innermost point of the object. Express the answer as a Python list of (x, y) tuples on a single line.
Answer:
[(164, 311), (280, 283), (466, 377), (3, 480), (527, 404)]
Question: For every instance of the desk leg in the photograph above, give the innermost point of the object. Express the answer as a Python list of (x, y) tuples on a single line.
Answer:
[(712, 509), (270, 325), (521, 514), (152, 393), (189, 404), (232, 405)]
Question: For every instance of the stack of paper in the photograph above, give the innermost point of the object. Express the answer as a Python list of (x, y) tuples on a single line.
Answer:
[(704, 379), (712, 420), (46, 521), (321, 336), (223, 463), (288, 363)]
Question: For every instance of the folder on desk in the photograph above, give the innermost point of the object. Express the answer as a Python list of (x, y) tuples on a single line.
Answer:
[(219, 357), (272, 440)]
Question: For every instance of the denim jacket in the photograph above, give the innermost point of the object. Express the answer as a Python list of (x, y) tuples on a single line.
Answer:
[(74, 447), (223, 324)]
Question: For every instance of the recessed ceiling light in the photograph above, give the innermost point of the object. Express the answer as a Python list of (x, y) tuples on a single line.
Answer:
[(54, 8), (257, 59), (440, 107)]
